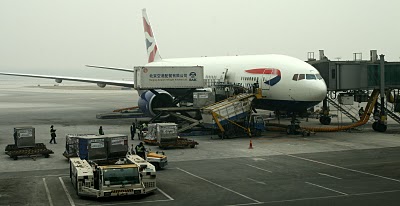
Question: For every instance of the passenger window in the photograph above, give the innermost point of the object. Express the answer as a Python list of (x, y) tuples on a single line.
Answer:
[(310, 76), (301, 76), (295, 77)]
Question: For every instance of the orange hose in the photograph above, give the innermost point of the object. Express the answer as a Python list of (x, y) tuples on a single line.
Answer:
[(364, 118)]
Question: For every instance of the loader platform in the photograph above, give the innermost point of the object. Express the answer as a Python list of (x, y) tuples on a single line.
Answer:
[(38, 150)]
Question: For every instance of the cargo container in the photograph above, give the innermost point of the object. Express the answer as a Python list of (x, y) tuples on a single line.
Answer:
[(24, 137), (117, 145), (165, 135), (25, 145), (162, 132), (92, 147), (201, 99), (71, 144), (163, 77)]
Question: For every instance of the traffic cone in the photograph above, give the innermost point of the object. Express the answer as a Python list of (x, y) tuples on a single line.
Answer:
[(251, 145)]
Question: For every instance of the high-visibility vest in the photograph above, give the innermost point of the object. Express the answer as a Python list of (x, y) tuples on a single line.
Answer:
[(140, 148)]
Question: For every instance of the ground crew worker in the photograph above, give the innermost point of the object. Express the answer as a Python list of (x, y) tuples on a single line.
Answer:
[(361, 112), (227, 92), (144, 126), (101, 132), (133, 130), (255, 87), (140, 150), (53, 135), (132, 150)]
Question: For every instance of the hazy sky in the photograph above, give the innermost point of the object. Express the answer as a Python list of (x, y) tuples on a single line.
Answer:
[(60, 37)]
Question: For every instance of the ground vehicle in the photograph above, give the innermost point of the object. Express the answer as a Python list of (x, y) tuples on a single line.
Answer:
[(131, 175), (165, 135), (25, 145), (256, 124), (109, 146), (159, 160)]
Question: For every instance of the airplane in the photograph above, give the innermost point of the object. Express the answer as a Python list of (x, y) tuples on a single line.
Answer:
[(287, 83)]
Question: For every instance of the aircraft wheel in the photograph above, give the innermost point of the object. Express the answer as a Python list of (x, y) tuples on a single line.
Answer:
[(382, 128), (321, 119), (328, 120), (288, 130), (258, 133), (374, 126), (325, 120)]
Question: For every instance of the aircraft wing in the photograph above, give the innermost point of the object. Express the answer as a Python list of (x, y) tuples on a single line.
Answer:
[(111, 68), (59, 79)]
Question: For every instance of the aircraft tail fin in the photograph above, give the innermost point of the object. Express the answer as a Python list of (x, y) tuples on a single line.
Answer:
[(152, 50)]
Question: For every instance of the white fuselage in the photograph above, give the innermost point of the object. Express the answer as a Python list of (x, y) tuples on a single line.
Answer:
[(286, 94)]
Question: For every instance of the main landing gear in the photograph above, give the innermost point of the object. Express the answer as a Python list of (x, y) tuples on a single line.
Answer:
[(325, 120), (379, 126)]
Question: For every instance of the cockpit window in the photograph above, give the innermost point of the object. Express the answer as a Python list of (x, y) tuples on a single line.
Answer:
[(295, 77), (318, 76), (301, 76), (310, 76)]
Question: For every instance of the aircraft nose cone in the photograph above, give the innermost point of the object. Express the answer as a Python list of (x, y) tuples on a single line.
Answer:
[(318, 92)]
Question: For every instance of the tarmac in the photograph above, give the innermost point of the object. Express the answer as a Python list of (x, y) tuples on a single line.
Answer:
[(361, 167)]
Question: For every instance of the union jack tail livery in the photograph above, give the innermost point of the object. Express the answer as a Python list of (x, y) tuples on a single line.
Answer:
[(152, 51)]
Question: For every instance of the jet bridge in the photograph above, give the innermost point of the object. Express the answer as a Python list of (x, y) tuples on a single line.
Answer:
[(352, 81)]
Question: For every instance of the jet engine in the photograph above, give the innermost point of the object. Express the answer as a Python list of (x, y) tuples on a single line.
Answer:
[(150, 100)]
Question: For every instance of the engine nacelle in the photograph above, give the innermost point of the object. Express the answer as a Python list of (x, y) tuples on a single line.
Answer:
[(58, 80), (102, 85), (149, 101)]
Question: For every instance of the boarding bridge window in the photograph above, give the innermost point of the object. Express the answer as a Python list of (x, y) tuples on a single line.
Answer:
[(302, 76), (318, 76), (333, 74), (310, 76), (295, 77)]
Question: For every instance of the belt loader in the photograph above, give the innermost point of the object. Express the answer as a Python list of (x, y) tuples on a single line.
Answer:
[(131, 175)]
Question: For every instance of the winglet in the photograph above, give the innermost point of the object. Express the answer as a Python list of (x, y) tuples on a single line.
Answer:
[(152, 50)]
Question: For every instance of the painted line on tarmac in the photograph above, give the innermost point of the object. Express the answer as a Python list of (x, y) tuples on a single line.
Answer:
[(326, 188), (332, 196), (259, 182), (279, 201), (323, 174), (259, 168), (256, 201), (344, 168), (165, 194), (47, 192), (71, 202), (37, 176), (130, 203)]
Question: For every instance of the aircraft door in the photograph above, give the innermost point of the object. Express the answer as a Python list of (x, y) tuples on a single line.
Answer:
[(224, 78), (265, 87)]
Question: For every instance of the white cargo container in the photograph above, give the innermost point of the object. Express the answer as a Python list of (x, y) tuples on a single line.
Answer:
[(162, 132), (163, 77), (346, 99), (201, 99)]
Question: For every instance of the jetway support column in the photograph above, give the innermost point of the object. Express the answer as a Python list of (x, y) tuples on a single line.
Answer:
[(381, 124), (325, 119)]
